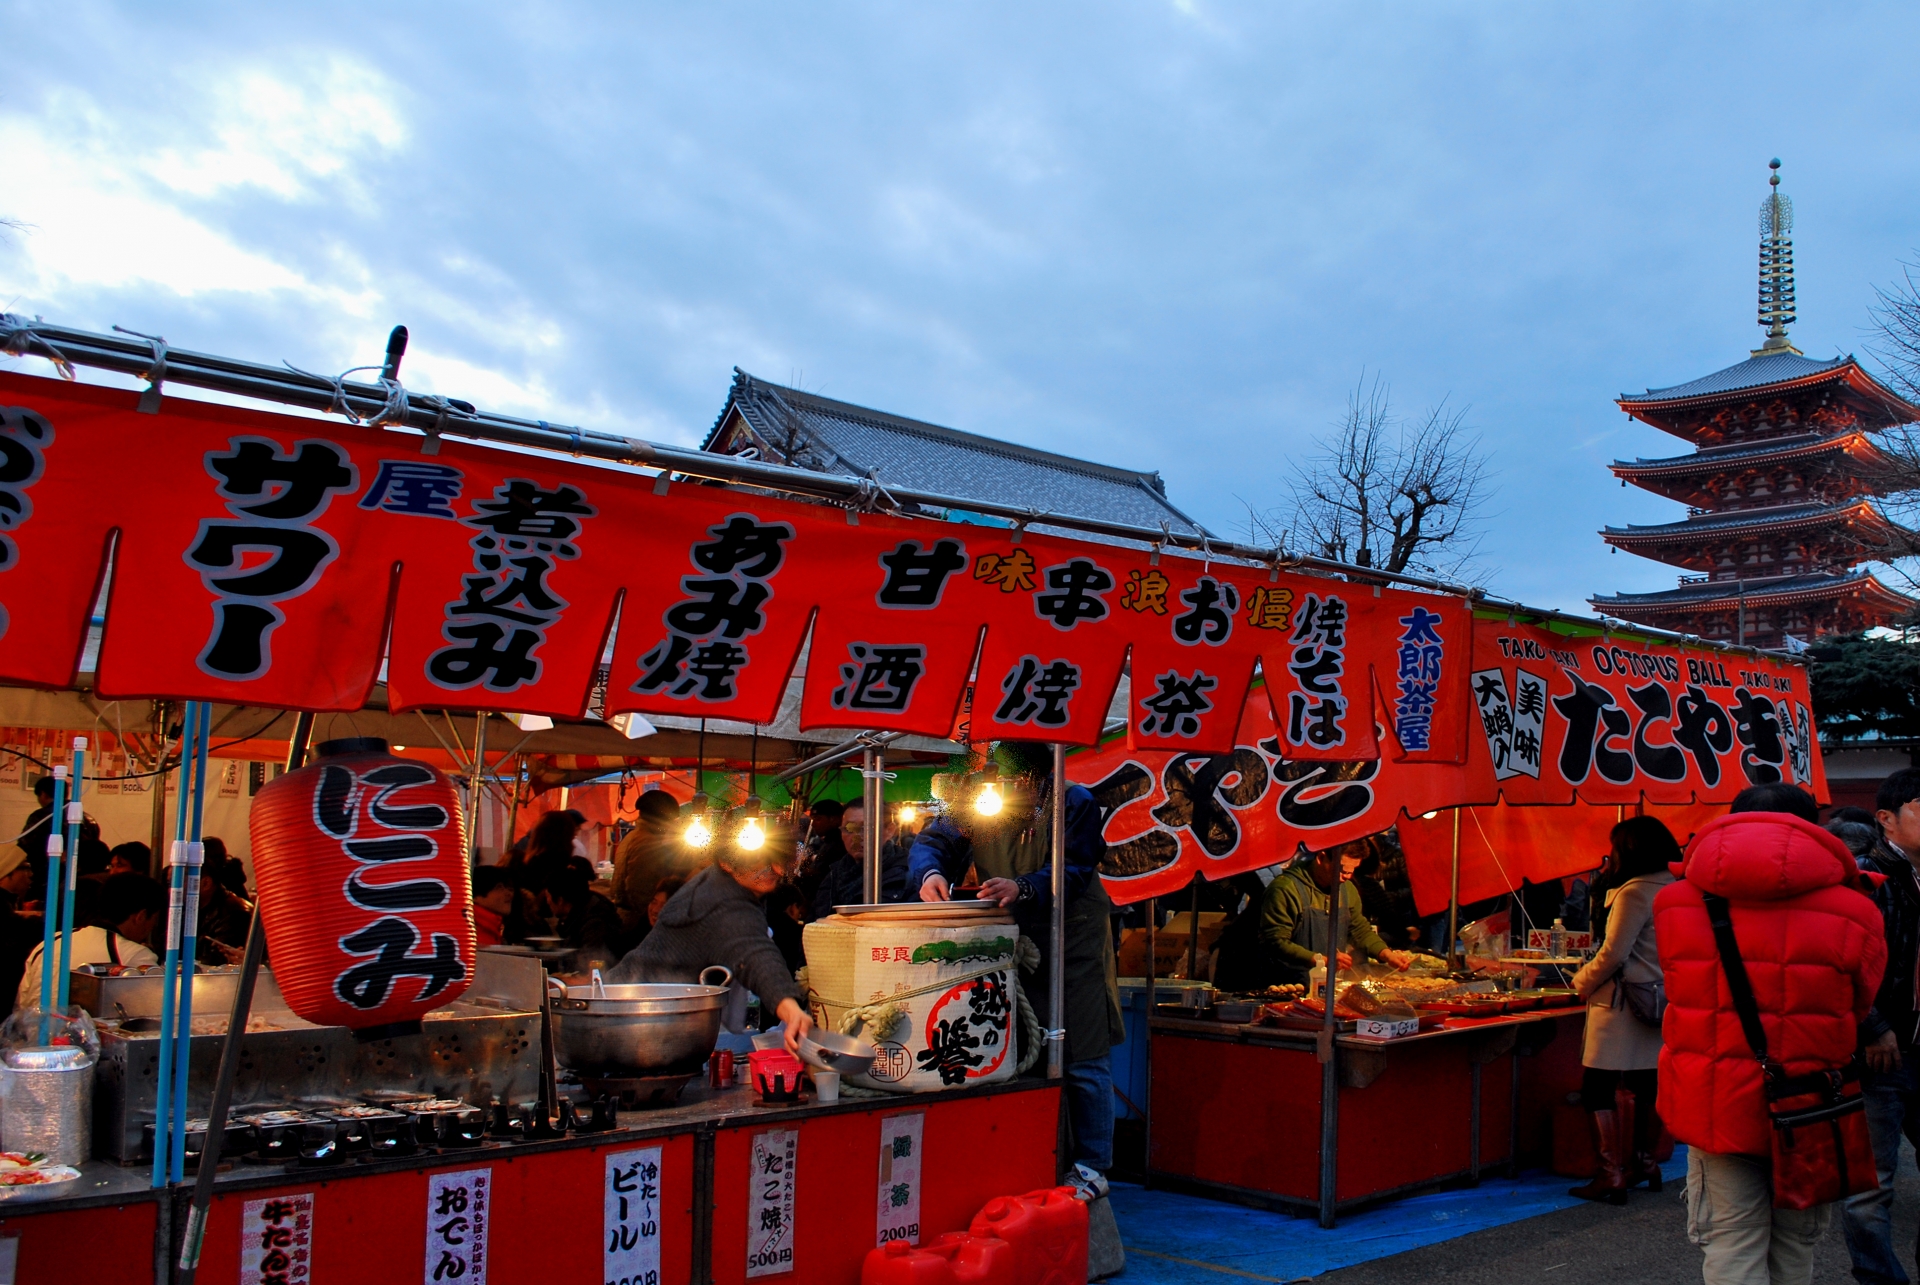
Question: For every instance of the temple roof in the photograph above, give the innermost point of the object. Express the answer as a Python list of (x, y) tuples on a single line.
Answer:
[(1714, 459), (854, 441), (1754, 372), (1779, 517), (1770, 592)]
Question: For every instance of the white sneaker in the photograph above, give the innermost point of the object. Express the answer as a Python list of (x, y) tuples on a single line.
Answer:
[(1087, 1184)]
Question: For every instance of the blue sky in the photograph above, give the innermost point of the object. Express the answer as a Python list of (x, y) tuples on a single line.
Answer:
[(1163, 236)]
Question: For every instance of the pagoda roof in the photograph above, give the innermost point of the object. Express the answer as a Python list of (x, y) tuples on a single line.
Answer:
[(1755, 372), (1773, 375), (1784, 517), (1714, 459), (1774, 591)]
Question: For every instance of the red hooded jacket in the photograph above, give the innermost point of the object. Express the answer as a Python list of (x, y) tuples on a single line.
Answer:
[(1814, 948)]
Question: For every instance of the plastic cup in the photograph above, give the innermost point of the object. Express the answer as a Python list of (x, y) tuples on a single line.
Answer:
[(826, 1086)]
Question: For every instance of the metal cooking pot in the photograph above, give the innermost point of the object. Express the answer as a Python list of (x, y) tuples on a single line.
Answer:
[(637, 1030)]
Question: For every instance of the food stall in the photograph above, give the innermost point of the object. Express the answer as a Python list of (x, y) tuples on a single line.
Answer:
[(1578, 724), (256, 560)]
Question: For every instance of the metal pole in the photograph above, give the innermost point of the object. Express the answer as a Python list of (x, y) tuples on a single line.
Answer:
[(1146, 1026), (1453, 898), (50, 900), (438, 416), (75, 811), (867, 863), (513, 805), (170, 970), (876, 827), (1057, 961), (1329, 1063), (157, 847), (230, 1051), (473, 785), (191, 855), (1193, 934)]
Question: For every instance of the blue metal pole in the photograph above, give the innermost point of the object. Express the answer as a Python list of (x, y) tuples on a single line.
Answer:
[(192, 853), (50, 925), (75, 811), (170, 971)]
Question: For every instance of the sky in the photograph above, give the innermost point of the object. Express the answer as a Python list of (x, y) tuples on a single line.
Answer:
[(1166, 236)]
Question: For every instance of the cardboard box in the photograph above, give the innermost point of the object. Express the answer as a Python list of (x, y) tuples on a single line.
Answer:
[(1169, 946)]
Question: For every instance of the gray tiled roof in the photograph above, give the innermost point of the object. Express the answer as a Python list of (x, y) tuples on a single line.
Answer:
[(1754, 372), (1713, 590), (1734, 518), (1712, 456), (854, 441)]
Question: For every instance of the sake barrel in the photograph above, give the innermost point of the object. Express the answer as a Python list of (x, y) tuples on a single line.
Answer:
[(935, 997)]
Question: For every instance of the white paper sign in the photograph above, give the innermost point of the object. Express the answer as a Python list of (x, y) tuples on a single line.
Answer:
[(900, 1178), (276, 1240), (458, 1205), (770, 1187), (632, 1218)]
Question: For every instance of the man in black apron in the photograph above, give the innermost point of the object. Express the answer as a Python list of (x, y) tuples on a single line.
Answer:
[(1012, 854)]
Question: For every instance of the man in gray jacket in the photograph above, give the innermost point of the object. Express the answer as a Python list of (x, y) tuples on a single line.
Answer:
[(718, 918)]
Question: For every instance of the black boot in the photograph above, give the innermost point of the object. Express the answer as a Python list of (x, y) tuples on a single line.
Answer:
[(1610, 1142)]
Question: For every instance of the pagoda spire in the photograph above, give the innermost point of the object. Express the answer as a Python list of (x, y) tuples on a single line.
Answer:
[(1776, 266)]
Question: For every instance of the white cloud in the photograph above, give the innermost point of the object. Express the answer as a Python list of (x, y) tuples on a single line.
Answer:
[(105, 211)]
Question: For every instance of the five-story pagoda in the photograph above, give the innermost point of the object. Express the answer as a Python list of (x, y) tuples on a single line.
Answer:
[(1780, 488)]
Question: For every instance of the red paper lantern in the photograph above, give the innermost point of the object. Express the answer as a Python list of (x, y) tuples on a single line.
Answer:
[(361, 862)]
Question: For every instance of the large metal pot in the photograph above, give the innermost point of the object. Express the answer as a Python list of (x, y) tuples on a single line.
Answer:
[(638, 1030)]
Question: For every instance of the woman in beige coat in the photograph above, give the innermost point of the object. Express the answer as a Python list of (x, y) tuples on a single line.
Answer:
[(1621, 1059)]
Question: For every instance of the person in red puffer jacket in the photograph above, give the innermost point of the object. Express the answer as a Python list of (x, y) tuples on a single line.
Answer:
[(1815, 947)]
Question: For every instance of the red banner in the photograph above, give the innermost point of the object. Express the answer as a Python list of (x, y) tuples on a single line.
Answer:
[(1562, 720), (269, 559)]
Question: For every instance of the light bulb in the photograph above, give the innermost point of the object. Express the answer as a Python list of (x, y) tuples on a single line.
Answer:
[(698, 833), (1428, 816), (908, 814), (752, 835), (987, 802)]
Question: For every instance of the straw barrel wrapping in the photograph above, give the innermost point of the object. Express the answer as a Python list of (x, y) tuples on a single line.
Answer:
[(364, 887)]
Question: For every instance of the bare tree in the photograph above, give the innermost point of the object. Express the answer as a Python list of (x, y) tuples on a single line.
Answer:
[(1388, 492)]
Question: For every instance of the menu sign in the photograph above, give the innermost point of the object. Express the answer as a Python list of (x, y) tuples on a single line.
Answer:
[(632, 1218), (457, 1208), (770, 1190), (900, 1178)]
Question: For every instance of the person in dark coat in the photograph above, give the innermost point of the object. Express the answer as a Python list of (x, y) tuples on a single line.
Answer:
[(718, 918), (841, 882), (1891, 1083), (651, 851), (20, 932), (823, 847), (34, 834), (1012, 851), (588, 923)]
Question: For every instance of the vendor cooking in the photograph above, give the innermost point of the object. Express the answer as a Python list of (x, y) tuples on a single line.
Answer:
[(1293, 921), (718, 918)]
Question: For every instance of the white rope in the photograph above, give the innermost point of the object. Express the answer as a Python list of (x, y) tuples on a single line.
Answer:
[(17, 336), (156, 374), (393, 412)]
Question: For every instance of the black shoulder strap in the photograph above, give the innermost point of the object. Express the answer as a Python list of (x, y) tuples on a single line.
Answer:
[(1719, 914), (113, 947)]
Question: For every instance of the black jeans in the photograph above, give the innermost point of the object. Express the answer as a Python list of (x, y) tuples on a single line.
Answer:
[(1597, 1088)]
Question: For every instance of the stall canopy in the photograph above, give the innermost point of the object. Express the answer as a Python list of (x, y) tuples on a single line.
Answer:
[(262, 559), (1575, 727)]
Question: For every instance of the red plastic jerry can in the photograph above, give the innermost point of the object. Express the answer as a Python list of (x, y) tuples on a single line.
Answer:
[(955, 1258), (898, 1263), (1047, 1230), (977, 1260)]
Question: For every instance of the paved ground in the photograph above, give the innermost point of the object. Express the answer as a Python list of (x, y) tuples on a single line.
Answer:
[(1601, 1245)]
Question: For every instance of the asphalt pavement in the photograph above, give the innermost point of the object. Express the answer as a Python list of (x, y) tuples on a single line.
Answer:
[(1646, 1242)]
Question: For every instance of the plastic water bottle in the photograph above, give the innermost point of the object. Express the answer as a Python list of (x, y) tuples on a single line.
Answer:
[(1557, 940)]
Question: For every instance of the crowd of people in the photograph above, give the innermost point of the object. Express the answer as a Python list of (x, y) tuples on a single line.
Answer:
[(1773, 959), (119, 908)]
